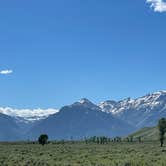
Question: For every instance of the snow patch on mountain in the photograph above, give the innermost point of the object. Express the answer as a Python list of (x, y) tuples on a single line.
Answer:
[(28, 114), (148, 101), (140, 112)]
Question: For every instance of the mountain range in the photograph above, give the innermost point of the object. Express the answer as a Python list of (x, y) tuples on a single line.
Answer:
[(84, 119)]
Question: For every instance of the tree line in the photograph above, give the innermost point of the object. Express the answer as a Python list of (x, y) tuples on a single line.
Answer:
[(43, 138)]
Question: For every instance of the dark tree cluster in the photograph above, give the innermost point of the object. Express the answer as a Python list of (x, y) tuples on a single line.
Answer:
[(129, 139), (117, 139), (98, 140)]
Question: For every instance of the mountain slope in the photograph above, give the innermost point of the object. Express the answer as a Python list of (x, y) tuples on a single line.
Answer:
[(147, 134), (141, 112), (9, 130), (81, 119)]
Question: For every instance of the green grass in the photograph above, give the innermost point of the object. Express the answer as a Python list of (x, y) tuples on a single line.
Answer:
[(80, 154)]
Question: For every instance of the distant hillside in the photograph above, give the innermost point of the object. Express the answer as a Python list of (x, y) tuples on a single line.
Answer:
[(147, 133), (9, 130)]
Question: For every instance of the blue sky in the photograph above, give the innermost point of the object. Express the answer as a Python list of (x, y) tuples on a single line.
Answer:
[(61, 51)]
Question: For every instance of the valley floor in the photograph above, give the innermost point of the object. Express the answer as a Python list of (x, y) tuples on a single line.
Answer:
[(80, 154)]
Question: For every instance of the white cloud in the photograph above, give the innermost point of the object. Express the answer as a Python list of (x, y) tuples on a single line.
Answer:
[(157, 5), (5, 72), (28, 114)]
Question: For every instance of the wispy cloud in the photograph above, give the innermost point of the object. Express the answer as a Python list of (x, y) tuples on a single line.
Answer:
[(6, 72), (157, 5)]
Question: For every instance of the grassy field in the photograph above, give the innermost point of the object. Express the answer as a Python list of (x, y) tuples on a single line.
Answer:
[(80, 154)]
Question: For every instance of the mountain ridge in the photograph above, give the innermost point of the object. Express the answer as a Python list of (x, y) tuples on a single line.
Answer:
[(79, 120), (84, 118), (141, 112)]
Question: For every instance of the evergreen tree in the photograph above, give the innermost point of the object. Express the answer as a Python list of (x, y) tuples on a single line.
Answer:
[(162, 130)]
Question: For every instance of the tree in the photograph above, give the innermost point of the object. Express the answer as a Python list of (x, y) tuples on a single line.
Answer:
[(43, 139), (128, 140), (118, 139), (139, 139), (86, 140), (131, 138), (98, 140), (162, 130)]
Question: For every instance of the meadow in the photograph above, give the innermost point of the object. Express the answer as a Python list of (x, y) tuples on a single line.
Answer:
[(82, 154)]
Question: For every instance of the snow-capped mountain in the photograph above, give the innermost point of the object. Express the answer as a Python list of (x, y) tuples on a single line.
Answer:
[(140, 112), (28, 115), (108, 106), (79, 120)]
